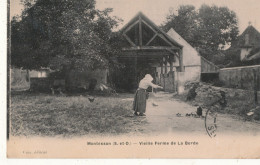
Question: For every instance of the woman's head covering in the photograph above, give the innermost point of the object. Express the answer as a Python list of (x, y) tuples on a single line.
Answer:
[(148, 77)]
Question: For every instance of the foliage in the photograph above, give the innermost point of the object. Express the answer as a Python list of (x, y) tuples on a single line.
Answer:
[(219, 24), (63, 34), (185, 23), (233, 57), (209, 28)]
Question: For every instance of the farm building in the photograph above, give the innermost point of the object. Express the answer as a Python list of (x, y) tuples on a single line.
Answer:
[(166, 56), (71, 80), (44, 72), (22, 79), (19, 79), (249, 40)]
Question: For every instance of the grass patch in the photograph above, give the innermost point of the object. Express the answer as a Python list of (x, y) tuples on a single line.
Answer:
[(47, 115)]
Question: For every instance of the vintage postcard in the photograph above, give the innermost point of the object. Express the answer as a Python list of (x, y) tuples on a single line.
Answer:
[(133, 79)]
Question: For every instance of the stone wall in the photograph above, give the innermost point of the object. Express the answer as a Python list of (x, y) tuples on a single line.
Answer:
[(180, 82), (240, 77), (191, 74)]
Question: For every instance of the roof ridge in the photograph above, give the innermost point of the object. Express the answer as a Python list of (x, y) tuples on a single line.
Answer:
[(163, 32), (140, 14), (248, 28)]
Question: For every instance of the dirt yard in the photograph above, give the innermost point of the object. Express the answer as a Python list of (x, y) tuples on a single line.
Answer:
[(163, 119), (69, 116)]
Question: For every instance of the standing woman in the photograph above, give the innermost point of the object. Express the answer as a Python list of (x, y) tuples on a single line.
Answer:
[(141, 95)]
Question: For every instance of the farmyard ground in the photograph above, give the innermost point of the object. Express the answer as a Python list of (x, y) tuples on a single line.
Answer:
[(71, 116)]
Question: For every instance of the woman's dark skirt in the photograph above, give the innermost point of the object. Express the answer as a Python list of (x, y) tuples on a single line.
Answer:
[(140, 100)]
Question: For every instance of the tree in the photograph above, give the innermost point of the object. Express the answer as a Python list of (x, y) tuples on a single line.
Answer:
[(209, 28), (63, 34), (218, 25), (185, 23)]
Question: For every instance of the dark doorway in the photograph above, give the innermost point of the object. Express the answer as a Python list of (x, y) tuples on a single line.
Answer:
[(133, 72)]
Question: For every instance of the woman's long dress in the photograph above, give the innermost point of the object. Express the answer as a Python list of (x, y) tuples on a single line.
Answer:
[(140, 101)]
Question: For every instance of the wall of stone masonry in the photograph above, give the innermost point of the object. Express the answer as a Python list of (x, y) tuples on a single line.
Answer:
[(240, 77)]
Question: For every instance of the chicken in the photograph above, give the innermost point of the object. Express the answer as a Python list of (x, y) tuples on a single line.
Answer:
[(155, 105), (199, 111), (91, 99)]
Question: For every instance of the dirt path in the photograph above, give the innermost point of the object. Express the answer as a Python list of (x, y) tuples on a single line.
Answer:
[(163, 119)]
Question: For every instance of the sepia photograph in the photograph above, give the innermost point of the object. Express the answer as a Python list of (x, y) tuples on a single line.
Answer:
[(133, 79)]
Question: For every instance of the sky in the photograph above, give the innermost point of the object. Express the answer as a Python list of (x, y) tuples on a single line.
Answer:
[(157, 10)]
